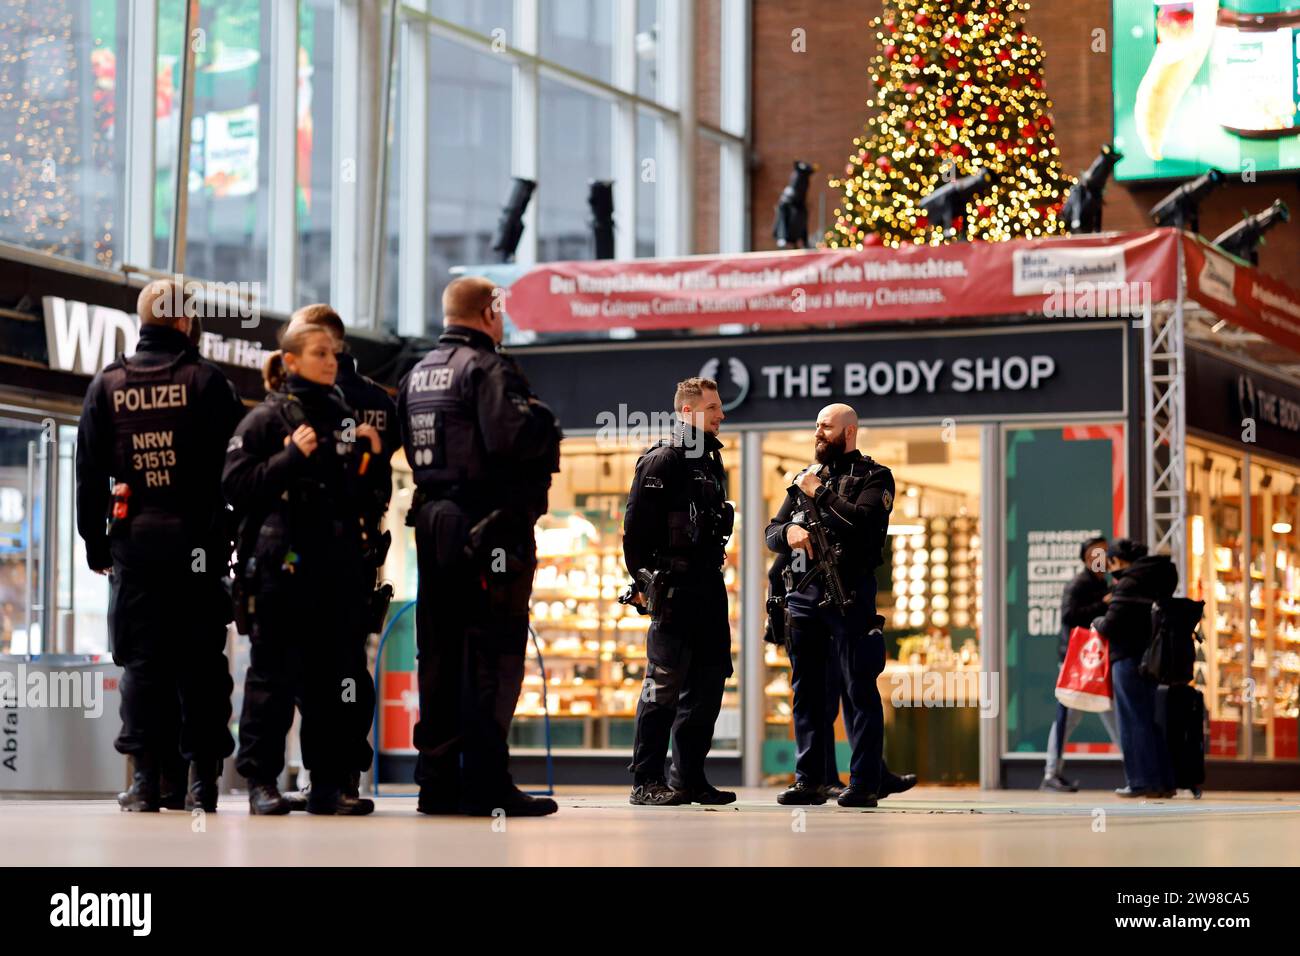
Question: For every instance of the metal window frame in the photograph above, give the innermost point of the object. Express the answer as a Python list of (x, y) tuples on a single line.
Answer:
[(141, 132), (345, 242), (282, 230)]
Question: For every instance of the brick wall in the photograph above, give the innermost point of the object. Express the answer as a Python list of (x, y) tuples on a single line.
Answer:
[(810, 106)]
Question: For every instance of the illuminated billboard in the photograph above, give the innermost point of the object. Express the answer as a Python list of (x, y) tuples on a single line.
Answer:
[(1201, 83)]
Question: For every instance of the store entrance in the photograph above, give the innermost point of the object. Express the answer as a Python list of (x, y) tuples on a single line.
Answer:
[(929, 594)]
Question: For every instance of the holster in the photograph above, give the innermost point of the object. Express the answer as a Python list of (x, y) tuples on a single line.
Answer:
[(501, 531)]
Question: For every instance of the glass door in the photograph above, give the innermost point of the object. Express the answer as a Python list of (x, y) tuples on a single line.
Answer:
[(38, 543)]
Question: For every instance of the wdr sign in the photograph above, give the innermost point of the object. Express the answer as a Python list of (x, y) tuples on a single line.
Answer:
[(84, 338)]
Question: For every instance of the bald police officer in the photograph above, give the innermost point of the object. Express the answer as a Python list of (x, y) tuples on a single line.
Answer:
[(150, 448), (854, 496), (482, 448)]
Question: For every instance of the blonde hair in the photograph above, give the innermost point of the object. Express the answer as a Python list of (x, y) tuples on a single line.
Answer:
[(292, 342), (691, 389)]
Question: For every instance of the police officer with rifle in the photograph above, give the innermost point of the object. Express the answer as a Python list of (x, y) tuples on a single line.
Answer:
[(482, 448), (150, 446), (675, 533), (833, 525)]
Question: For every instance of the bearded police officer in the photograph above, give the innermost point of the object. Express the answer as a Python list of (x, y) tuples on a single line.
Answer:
[(852, 497), (375, 407), (482, 448), (675, 533), (150, 448)]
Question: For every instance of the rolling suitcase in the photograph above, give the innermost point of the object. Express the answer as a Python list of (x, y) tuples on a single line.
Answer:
[(1180, 715)]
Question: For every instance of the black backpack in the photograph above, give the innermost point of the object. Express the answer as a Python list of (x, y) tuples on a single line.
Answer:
[(1175, 630)]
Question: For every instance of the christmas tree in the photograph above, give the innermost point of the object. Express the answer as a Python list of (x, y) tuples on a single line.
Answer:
[(960, 89)]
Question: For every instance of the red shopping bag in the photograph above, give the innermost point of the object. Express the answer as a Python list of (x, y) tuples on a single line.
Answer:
[(1084, 682)]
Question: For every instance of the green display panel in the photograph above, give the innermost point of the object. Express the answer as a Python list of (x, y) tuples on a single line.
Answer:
[(1201, 83), (1063, 485)]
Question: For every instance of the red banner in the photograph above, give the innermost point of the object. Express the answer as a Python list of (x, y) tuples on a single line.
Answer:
[(1062, 278), (1241, 294)]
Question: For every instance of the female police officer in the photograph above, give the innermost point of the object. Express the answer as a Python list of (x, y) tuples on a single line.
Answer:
[(295, 473)]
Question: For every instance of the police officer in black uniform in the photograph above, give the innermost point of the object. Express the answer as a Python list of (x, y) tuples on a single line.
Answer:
[(675, 533), (298, 475), (854, 496), (150, 445), (482, 448), (374, 407)]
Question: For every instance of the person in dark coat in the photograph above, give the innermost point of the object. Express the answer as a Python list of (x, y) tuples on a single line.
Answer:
[(1083, 600), (1141, 579)]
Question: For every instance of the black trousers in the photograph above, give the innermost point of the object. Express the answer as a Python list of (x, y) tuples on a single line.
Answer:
[(471, 631), (688, 650), (817, 635), (305, 649), (168, 632)]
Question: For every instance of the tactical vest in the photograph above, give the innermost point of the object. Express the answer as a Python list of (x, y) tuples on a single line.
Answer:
[(698, 519), (442, 421), (153, 410)]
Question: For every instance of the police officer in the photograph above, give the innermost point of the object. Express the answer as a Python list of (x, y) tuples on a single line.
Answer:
[(150, 445), (375, 407), (298, 475), (854, 496), (482, 449), (674, 539), (832, 786)]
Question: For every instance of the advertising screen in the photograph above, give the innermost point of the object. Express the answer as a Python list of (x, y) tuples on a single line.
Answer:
[(1201, 83)]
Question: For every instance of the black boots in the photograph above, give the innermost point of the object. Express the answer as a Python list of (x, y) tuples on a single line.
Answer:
[(512, 803), (330, 799), (173, 777), (143, 794), (264, 800), (801, 794), (297, 799), (202, 792)]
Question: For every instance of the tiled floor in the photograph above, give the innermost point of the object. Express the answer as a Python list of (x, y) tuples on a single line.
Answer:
[(596, 826)]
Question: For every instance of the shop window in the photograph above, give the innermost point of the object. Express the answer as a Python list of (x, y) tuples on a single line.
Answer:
[(593, 647), (62, 159), (485, 16), (1250, 583), (928, 591), (649, 134), (649, 47)]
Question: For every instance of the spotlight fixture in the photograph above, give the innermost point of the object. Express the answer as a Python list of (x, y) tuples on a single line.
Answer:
[(790, 228), (510, 227), (600, 198), (1243, 239), (948, 202), (1181, 208), (1082, 210)]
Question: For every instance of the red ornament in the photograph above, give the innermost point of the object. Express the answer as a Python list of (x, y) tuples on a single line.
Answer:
[(918, 60), (952, 40), (959, 19), (988, 28), (1045, 123), (1003, 146), (884, 163), (1028, 130), (922, 222), (871, 239), (951, 63), (1034, 81), (983, 210), (1014, 82), (994, 113), (922, 20), (891, 51), (909, 125), (1003, 55), (957, 149), (955, 120), (889, 25)]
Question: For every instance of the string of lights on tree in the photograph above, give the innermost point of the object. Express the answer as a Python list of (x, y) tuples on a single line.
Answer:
[(959, 89), (56, 164)]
